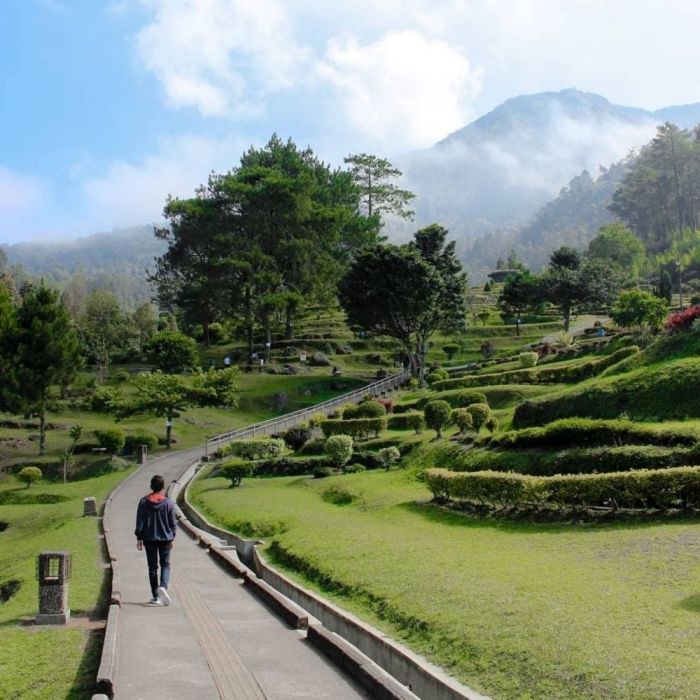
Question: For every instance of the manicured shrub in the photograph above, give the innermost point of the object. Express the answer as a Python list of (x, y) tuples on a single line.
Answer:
[(480, 413), (585, 431), (143, 437), (437, 415), (462, 419), (317, 420), (354, 468), (112, 440), (339, 449), (263, 448), (358, 428), (29, 475), (492, 424), (451, 349), (389, 456), (659, 489), (416, 421), (438, 375), (648, 394), (364, 409), (528, 359), (297, 436), (323, 472), (403, 421), (369, 460), (388, 405), (568, 374), (338, 495), (235, 470)]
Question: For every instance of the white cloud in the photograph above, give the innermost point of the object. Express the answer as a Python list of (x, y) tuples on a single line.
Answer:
[(220, 56), (403, 88), (135, 192)]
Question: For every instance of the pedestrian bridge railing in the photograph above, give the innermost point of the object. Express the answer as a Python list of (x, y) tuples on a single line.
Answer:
[(276, 425)]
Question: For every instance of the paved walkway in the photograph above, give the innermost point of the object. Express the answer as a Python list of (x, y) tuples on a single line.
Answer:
[(216, 641)]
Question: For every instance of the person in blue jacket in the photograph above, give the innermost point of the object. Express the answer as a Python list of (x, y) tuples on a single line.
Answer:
[(155, 531)]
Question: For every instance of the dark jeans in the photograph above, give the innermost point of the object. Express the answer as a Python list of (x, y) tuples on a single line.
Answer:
[(154, 552)]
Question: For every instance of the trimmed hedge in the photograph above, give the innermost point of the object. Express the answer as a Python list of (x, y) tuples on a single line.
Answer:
[(667, 392), (404, 421), (287, 467), (264, 448), (364, 409), (456, 399), (576, 461), (584, 431), (569, 374), (133, 440), (357, 428), (658, 489)]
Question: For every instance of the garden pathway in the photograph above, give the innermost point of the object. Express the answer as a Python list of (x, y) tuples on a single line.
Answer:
[(216, 641)]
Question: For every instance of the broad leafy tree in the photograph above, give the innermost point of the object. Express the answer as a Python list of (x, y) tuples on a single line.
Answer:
[(640, 309), (168, 395), (575, 285), (407, 292), (172, 352), (521, 291), (104, 329), (617, 246)]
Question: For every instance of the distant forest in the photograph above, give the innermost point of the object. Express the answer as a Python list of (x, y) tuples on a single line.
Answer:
[(116, 262)]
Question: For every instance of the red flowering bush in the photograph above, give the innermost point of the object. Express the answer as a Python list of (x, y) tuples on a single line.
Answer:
[(387, 403), (682, 320)]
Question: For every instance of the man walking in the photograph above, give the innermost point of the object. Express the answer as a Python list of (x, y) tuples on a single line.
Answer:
[(155, 531)]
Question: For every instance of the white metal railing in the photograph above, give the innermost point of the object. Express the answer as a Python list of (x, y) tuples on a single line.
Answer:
[(275, 425)]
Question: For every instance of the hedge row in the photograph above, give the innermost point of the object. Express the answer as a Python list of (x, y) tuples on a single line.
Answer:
[(569, 374), (264, 448), (576, 461), (357, 428), (662, 489), (584, 431), (405, 421), (646, 394)]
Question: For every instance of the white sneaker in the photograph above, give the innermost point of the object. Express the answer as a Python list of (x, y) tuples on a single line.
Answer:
[(163, 596), (155, 601)]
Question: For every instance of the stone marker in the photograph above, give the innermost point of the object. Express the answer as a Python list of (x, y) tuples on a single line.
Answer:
[(53, 572), (142, 453), (89, 506)]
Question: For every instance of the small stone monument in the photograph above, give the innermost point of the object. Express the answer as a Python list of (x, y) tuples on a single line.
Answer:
[(142, 453), (53, 572), (89, 506)]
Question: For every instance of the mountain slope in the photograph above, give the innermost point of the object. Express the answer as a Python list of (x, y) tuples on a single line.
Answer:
[(500, 169)]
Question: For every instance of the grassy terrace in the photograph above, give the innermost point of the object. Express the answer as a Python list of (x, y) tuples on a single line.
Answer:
[(514, 610), (28, 654)]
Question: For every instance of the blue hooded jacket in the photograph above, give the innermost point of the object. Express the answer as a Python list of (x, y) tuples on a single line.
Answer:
[(155, 519)]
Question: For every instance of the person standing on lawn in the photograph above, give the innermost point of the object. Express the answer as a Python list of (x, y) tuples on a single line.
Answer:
[(155, 532)]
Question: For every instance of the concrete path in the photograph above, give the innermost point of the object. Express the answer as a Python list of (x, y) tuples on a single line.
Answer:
[(216, 641)]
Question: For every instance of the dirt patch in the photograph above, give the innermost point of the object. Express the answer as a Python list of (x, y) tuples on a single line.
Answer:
[(13, 443)]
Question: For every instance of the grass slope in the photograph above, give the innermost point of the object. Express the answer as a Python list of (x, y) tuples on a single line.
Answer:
[(30, 666), (516, 611)]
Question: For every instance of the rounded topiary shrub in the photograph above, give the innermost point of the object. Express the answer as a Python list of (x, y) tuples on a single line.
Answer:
[(438, 375), (437, 415), (480, 413), (462, 419), (389, 456), (365, 409), (339, 449), (143, 437), (528, 359), (295, 438), (235, 470), (112, 440), (29, 475)]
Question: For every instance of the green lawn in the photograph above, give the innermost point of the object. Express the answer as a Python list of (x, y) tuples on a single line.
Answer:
[(514, 610), (31, 665)]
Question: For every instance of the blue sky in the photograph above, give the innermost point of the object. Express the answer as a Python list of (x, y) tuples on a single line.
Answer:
[(108, 106)]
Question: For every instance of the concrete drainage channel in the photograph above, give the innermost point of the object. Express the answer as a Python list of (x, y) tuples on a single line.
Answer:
[(387, 669)]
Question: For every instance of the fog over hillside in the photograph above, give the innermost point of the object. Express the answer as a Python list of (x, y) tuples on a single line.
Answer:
[(500, 169)]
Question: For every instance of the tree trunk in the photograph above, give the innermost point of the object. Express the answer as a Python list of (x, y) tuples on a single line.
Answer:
[(42, 432), (168, 431), (249, 323), (567, 317), (289, 324), (205, 332)]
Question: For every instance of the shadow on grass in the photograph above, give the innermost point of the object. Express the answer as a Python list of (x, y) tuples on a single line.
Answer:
[(23, 496), (691, 603), (526, 524), (84, 682)]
